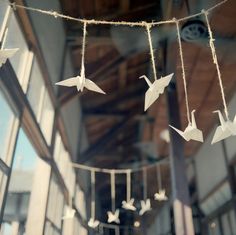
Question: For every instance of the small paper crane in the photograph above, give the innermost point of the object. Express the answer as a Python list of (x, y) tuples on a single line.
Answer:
[(6, 54), (145, 206), (129, 205), (191, 132), (69, 214), (161, 195), (113, 217), (155, 89), (93, 223), (226, 129), (80, 82)]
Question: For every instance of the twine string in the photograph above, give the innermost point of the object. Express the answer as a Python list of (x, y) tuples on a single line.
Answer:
[(159, 180), (144, 184), (128, 185), (183, 70), (215, 60), (83, 44), (113, 191), (105, 22), (93, 201), (148, 28)]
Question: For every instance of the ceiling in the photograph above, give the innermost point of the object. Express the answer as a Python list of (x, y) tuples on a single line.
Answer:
[(116, 57)]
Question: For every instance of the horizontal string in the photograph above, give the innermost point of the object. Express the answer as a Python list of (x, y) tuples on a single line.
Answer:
[(105, 22)]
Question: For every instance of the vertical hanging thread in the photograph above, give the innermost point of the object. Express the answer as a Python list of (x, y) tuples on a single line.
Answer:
[(183, 70), (159, 180), (128, 185), (144, 183), (93, 205), (148, 28), (113, 191), (83, 43), (215, 60)]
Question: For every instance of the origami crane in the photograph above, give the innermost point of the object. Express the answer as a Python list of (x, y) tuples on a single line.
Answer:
[(93, 223), (129, 205), (155, 89), (227, 128), (6, 54), (69, 213), (80, 82), (145, 206), (191, 132), (161, 195), (113, 217)]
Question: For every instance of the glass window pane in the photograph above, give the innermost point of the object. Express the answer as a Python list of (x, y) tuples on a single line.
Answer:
[(36, 89), (18, 61), (21, 181), (47, 118), (6, 121)]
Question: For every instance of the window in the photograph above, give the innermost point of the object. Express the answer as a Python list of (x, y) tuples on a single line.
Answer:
[(18, 61), (55, 208), (40, 102), (6, 122), (18, 196)]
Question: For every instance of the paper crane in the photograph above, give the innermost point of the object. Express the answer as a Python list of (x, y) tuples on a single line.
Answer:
[(145, 206), (80, 82), (161, 195), (226, 129), (70, 212), (113, 217), (191, 132), (93, 223), (129, 205), (6, 54), (155, 89)]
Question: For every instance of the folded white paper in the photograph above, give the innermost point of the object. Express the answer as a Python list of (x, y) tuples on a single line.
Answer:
[(93, 223), (225, 129), (129, 205), (113, 217), (81, 82), (155, 89), (161, 195), (191, 132), (69, 213), (6, 54), (145, 206)]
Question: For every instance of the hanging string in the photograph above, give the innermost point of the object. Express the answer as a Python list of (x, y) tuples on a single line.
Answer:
[(119, 171), (117, 230), (105, 22), (148, 28), (159, 180), (113, 192), (4, 38), (183, 70), (128, 185), (83, 44), (93, 205), (215, 60), (144, 184)]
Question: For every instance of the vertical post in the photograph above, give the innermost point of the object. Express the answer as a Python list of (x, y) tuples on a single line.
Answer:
[(181, 203)]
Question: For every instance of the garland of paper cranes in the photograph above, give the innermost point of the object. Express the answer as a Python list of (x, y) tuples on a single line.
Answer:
[(224, 130)]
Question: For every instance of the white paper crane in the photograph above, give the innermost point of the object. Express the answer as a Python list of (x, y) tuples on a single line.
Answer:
[(6, 54), (81, 82), (155, 89), (113, 217), (93, 223), (191, 132), (69, 213), (129, 205), (145, 206), (226, 129), (161, 195)]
